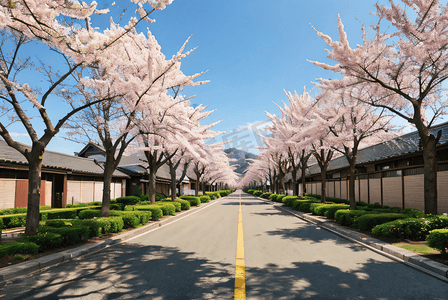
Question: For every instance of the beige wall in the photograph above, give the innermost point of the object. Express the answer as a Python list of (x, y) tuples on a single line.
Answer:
[(356, 190), (442, 192), (375, 190), (344, 189), (337, 189), (8, 193), (414, 192), (330, 189), (392, 191), (48, 192), (364, 190)]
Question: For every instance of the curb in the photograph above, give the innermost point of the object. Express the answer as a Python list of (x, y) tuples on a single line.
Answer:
[(426, 265), (27, 267)]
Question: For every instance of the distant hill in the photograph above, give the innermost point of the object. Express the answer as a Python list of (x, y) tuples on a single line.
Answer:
[(242, 159)]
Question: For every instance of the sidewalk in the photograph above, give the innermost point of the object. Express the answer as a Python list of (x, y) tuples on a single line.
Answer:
[(27, 267), (426, 265)]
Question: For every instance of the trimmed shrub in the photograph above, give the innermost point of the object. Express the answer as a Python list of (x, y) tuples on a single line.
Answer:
[(280, 197), (438, 239), (12, 221), (128, 200), (367, 222), (194, 201), (304, 205), (273, 197), (185, 205), (69, 235), (224, 193), (213, 195), (45, 241), (331, 209), (257, 193), (76, 205), (97, 227), (265, 195), (18, 248), (204, 199), (413, 213), (117, 206), (348, 217), (58, 223), (95, 203), (89, 214), (336, 200), (155, 210), (177, 205), (61, 213), (319, 209), (289, 200), (133, 218), (411, 228), (168, 209), (250, 191), (116, 224)]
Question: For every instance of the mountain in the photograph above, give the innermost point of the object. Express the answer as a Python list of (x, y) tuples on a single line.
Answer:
[(241, 157)]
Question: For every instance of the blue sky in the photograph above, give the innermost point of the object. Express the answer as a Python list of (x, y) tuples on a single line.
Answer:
[(252, 50)]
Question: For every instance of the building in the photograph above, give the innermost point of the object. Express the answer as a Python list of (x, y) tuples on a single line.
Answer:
[(389, 173)]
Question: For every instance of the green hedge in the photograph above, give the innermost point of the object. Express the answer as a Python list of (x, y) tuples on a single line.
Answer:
[(304, 205), (89, 214), (213, 195), (204, 199), (133, 218), (129, 200), (61, 213), (411, 228), (438, 239), (348, 217), (69, 235), (265, 195), (48, 240), (155, 210), (289, 200), (20, 210), (185, 205), (257, 193), (177, 205), (168, 209), (194, 201), (18, 248), (367, 222)]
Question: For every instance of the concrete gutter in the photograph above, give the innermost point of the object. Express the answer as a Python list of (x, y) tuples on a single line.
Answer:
[(27, 267), (426, 265)]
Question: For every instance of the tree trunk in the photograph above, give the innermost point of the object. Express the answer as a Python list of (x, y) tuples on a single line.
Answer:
[(303, 182), (173, 181), (152, 186), (105, 207), (351, 184), (430, 174), (324, 183), (34, 182)]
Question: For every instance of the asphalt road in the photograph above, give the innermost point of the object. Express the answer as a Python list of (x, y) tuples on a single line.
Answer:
[(194, 258)]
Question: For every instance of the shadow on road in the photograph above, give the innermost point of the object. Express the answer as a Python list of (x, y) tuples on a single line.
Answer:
[(129, 272)]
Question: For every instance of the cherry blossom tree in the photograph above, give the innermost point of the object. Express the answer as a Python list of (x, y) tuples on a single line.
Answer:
[(354, 125), (401, 69), (63, 27), (137, 73)]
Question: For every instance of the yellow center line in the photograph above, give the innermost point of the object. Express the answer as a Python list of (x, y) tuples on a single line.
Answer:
[(240, 274)]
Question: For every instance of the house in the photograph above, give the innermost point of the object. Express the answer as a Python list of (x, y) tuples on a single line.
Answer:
[(389, 173), (136, 168), (66, 179)]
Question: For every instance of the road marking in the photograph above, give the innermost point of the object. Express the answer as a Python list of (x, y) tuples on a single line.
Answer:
[(240, 274)]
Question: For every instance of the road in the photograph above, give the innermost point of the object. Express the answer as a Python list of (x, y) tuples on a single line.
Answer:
[(195, 258)]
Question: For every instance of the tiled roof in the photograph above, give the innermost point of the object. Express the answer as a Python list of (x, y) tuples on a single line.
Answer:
[(55, 160), (407, 143)]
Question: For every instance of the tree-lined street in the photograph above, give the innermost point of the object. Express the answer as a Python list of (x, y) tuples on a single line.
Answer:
[(194, 258)]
